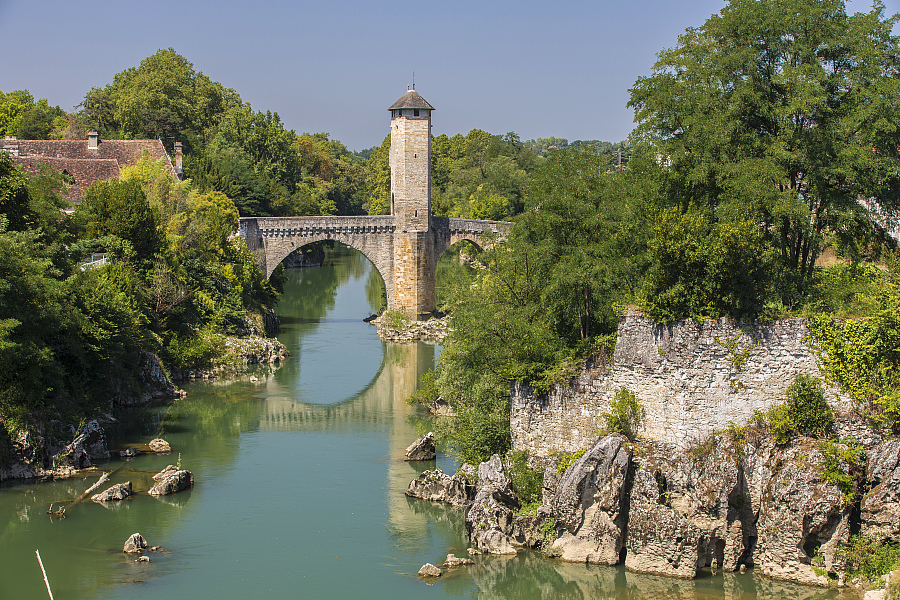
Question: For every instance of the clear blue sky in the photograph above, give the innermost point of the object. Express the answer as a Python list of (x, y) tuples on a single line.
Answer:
[(549, 68)]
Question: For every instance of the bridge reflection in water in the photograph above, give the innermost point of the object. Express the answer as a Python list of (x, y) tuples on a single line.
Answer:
[(381, 405)]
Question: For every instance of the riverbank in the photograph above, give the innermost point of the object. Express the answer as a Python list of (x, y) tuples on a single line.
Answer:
[(58, 450), (740, 501)]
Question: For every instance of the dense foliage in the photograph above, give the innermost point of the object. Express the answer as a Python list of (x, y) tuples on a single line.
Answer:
[(764, 137), (70, 335), (781, 112), (26, 119)]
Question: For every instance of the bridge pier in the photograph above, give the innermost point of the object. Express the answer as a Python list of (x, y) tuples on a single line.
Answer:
[(414, 269)]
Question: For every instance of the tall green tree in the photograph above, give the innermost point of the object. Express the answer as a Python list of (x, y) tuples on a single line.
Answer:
[(786, 108), (121, 209), (378, 178), (164, 97)]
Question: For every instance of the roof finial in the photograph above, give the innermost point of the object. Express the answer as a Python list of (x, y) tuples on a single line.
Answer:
[(414, 81)]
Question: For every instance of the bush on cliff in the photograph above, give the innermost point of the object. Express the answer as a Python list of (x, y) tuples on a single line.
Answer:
[(863, 355), (870, 558), (804, 411), (625, 414)]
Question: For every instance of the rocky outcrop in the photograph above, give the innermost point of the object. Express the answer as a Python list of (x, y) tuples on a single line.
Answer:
[(729, 503), (457, 489), (168, 470), (42, 452), (880, 507), (453, 561), (239, 352), (685, 512), (173, 483), (404, 330), (801, 518), (120, 491), (160, 446), (88, 445), (590, 504), (135, 543), (422, 448), (490, 521)]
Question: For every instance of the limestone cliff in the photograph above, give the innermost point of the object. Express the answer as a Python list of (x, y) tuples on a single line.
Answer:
[(661, 510)]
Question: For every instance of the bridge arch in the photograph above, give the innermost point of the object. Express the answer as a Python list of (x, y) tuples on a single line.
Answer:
[(272, 239), (405, 258)]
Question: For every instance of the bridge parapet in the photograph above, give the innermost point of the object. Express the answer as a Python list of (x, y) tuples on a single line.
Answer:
[(405, 260), (449, 231)]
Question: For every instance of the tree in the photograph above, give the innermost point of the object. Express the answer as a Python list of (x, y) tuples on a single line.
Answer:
[(14, 200), (378, 178), (164, 96), (121, 209), (786, 108)]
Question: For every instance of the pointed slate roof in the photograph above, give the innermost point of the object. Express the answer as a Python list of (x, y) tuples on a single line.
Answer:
[(411, 99)]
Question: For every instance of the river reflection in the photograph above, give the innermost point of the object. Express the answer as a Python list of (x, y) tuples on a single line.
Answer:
[(299, 487)]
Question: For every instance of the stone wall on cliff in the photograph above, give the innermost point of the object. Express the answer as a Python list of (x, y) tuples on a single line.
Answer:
[(691, 379)]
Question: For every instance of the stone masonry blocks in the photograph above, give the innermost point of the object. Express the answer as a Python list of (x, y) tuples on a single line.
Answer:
[(406, 261), (684, 375)]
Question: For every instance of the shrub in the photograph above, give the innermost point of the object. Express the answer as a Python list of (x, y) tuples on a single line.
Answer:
[(567, 459), (200, 349), (526, 482), (625, 414), (805, 401), (804, 411), (395, 319), (868, 557), (427, 391), (853, 455), (781, 424)]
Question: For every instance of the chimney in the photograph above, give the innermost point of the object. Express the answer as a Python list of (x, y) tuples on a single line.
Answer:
[(178, 168), (93, 140)]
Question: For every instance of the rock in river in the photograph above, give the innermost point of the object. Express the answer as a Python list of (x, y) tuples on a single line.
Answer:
[(429, 570), (136, 543), (176, 482), (160, 445), (422, 449), (120, 491), (437, 486)]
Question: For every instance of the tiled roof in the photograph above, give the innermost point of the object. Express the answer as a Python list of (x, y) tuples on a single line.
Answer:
[(411, 99), (85, 165), (83, 171)]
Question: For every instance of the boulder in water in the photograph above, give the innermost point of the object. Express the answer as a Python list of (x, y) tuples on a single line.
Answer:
[(176, 482), (160, 445), (422, 448), (120, 491), (136, 543), (429, 570)]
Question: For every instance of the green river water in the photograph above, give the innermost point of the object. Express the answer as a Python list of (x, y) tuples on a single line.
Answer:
[(299, 483)]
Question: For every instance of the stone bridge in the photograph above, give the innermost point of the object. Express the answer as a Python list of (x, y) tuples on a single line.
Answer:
[(406, 260), (405, 245)]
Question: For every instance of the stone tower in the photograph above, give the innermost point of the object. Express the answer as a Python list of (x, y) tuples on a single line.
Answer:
[(410, 162)]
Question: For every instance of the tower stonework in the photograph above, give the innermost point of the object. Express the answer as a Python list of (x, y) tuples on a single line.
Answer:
[(404, 246), (410, 163)]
